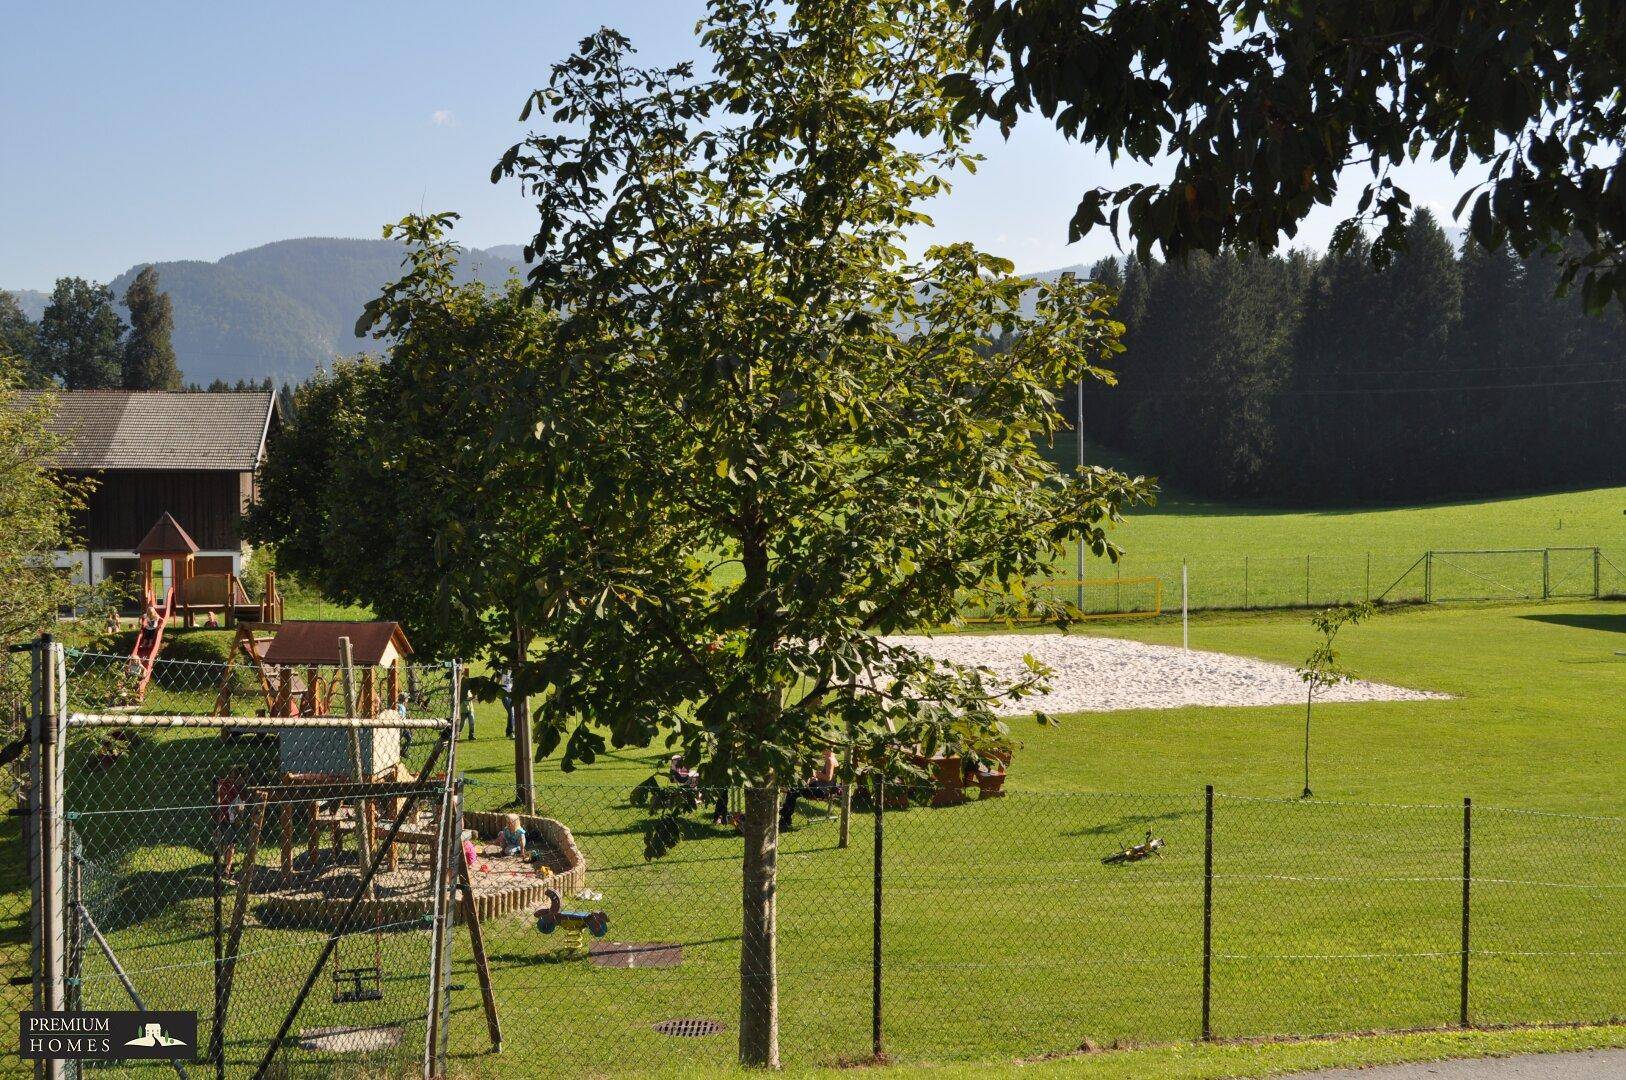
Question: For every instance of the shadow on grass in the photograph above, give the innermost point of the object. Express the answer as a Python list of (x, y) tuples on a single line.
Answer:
[(1130, 822), (1610, 624), (557, 954)]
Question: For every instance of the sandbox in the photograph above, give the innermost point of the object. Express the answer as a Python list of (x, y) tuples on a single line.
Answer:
[(317, 896)]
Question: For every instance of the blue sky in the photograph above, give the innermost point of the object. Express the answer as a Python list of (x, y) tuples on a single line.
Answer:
[(157, 131)]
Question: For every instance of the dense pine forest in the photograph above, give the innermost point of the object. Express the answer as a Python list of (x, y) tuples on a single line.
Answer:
[(1306, 380)]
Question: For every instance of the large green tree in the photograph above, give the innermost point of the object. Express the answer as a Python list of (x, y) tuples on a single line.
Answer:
[(762, 436), (36, 518), (1264, 109), (149, 355), (19, 339), (386, 487), (80, 336)]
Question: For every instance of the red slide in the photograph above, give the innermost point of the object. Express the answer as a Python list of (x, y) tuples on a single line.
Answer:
[(149, 639)]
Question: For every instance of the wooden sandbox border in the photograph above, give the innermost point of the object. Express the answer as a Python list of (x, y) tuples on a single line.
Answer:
[(393, 911)]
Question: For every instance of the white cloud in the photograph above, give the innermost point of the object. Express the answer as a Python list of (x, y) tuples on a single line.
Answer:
[(442, 118)]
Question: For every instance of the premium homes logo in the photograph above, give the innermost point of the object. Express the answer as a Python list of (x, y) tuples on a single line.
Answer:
[(108, 1036)]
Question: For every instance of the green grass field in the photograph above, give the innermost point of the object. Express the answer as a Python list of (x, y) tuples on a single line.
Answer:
[(1242, 556), (1184, 526), (1005, 936)]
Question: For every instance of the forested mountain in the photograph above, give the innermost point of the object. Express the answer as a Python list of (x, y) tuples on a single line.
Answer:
[(31, 301), (280, 310), (1318, 380)]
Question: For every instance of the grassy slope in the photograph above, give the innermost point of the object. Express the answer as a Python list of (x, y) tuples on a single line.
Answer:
[(1183, 526), (1243, 556)]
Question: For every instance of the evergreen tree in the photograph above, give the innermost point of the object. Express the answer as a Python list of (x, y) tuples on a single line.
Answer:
[(1109, 273), (1488, 351), (1325, 380), (1252, 356), (149, 356), (1575, 414), (1415, 411), (79, 336), (1170, 419)]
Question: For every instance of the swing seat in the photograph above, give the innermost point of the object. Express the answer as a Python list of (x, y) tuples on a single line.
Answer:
[(357, 984)]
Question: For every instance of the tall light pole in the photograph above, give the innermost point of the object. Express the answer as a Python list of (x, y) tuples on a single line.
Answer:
[(1078, 425)]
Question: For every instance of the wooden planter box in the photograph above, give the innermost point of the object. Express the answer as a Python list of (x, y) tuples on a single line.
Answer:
[(992, 785)]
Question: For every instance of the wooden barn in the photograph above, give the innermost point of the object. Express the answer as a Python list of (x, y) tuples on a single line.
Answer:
[(191, 456)]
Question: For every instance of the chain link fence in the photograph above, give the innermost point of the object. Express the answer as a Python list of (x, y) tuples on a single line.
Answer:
[(1248, 582), (1005, 931), (957, 922), (271, 862)]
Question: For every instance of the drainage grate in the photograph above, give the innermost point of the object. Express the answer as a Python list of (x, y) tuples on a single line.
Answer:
[(689, 1028)]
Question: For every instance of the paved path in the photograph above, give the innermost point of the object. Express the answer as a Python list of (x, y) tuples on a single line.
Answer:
[(1586, 1065)]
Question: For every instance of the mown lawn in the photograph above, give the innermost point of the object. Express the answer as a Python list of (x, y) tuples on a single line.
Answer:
[(1005, 936), (1240, 555)]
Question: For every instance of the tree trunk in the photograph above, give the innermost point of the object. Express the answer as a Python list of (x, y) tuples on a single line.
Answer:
[(759, 965), (524, 767)]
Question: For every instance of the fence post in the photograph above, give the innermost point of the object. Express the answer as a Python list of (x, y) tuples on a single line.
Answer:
[(50, 806), (1428, 577), (876, 1045), (1597, 557), (1467, 881), (29, 714), (454, 853), (220, 956), (1546, 573), (1208, 908), (448, 847)]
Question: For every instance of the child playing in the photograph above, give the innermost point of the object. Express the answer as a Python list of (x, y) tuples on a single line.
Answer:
[(512, 837), (231, 802)]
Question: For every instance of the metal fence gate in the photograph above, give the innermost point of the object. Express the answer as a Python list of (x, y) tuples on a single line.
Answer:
[(290, 879)]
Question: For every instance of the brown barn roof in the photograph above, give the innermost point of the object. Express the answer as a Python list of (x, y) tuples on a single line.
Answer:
[(166, 537), (318, 642), (160, 429)]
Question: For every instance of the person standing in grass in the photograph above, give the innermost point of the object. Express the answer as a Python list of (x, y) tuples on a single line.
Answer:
[(468, 713), (506, 682), (231, 805)]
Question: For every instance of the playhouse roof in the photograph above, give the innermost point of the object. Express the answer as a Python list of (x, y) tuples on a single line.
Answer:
[(159, 429), (166, 537), (318, 642)]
